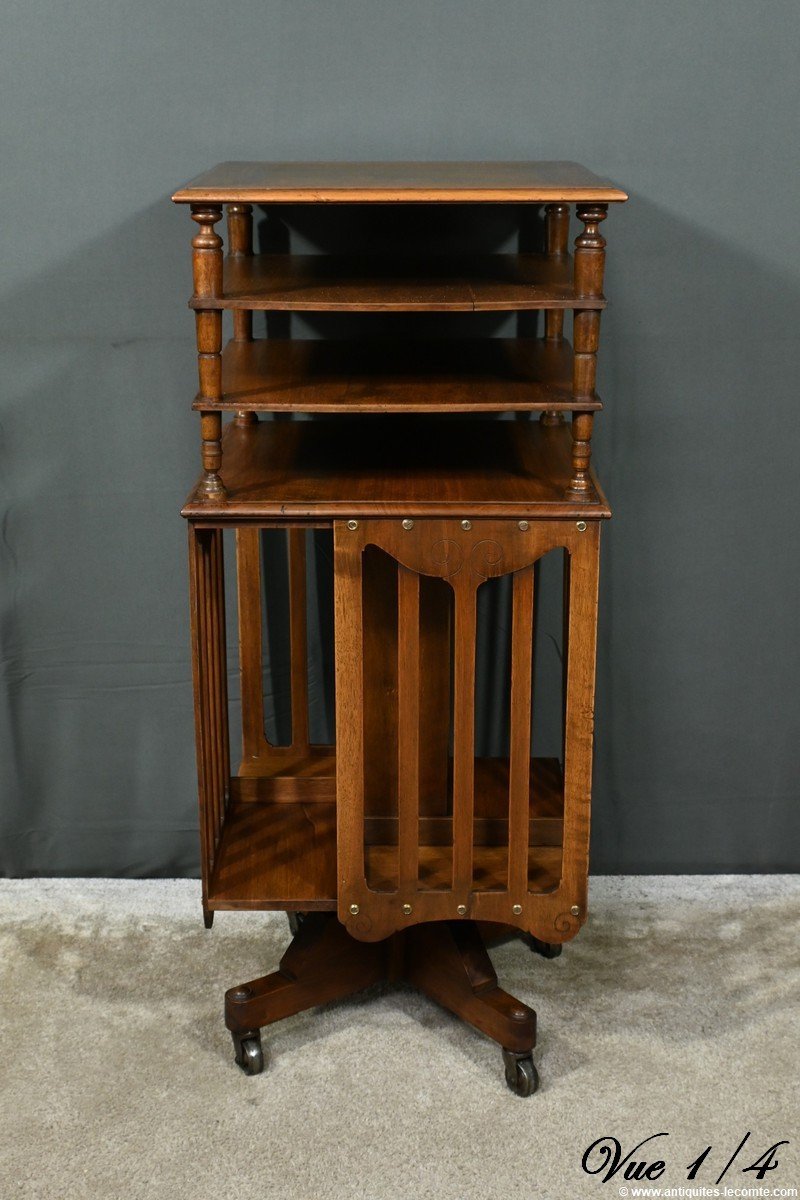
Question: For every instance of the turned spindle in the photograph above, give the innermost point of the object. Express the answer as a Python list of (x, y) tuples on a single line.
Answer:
[(557, 236), (207, 269), (240, 244), (589, 264), (556, 240)]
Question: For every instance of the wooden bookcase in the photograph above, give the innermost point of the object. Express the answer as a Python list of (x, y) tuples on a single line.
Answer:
[(397, 851)]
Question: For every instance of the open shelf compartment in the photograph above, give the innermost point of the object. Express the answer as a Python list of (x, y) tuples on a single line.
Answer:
[(281, 853), (374, 283), (379, 375), (322, 470)]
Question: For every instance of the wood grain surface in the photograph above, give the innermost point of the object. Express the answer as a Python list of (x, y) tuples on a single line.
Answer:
[(387, 182)]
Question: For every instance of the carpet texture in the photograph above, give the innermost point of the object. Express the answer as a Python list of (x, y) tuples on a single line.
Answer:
[(677, 1009)]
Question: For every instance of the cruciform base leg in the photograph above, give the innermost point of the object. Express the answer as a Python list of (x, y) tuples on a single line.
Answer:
[(446, 960)]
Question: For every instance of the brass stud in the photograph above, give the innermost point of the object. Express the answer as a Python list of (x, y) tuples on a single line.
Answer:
[(524, 526), (407, 909), (352, 524), (462, 910), (580, 526), (408, 523), (355, 910), (516, 910), (466, 524), (575, 910)]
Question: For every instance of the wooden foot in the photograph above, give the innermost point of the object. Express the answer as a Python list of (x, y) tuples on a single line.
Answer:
[(546, 949), (449, 962), (323, 963)]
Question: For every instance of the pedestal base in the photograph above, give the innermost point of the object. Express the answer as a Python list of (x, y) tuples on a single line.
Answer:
[(446, 960)]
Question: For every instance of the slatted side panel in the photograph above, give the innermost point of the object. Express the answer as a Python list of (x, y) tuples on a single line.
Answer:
[(522, 615), (434, 861), (210, 688)]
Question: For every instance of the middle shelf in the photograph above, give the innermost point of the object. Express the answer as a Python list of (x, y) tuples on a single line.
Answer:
[(411, 283), (382, 375)]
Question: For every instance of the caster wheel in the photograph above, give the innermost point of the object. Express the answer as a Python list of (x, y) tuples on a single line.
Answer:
[(546, 949), (521, 1075), (295, 921), (248, 1053)]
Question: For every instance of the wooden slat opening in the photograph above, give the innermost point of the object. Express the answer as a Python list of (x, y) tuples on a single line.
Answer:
[(520, 732), (463, 735), (408, 739), (298, 636), (248, 573)]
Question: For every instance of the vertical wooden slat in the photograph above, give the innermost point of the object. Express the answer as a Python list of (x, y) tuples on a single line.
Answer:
[(209, 670), (222, 655), (248, 574), (298, 636), (408, 687), (520, 734), (209, 697), (434, 654), (463, 735), (379, 598), (583, 587), (348, 609), (197, 610), (218, 707)]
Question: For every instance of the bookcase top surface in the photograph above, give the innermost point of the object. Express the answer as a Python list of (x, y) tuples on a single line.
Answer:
[(386, 182)]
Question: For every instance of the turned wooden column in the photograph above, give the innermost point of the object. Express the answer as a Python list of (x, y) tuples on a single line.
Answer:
[(556, 239), (207, 268), (240, 244), (589, 264)]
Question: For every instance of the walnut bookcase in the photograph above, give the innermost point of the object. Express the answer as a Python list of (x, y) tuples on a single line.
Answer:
[(397, 851)]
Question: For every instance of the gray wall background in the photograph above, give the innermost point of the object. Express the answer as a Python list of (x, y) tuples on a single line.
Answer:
[(106, 106)]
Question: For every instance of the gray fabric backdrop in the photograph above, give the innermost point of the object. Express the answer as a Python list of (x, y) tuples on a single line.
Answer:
[(106, 106)]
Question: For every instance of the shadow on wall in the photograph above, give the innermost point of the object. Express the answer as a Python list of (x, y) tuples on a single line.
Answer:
[(697, 698)]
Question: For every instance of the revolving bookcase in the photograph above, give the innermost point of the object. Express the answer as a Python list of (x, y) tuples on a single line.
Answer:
[(401, 849)]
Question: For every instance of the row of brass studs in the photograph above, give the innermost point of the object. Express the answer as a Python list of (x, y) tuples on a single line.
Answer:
[(462, 910), (523, 525)]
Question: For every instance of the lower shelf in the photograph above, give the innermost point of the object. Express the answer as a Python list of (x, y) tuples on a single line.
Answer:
[(278, 845)]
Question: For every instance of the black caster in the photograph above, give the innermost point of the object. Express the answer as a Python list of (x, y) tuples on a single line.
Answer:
[(546, 949), (248, 1053), (295, 921), (521, 1075)]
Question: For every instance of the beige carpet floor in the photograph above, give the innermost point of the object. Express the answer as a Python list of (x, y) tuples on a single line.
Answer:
[(676, 1010)]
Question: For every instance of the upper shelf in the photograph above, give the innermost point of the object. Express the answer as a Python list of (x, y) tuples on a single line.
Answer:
[(359, 283), (388, 182)]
